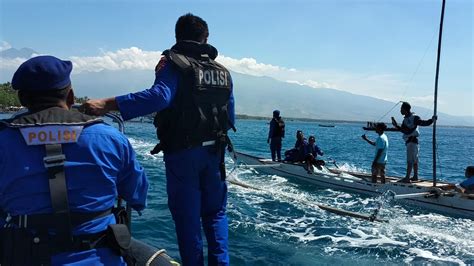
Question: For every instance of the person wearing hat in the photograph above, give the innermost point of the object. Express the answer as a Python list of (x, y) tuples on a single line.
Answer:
[(409, 128), (60, 174), (275, 135), (193, 97), (381, 147)]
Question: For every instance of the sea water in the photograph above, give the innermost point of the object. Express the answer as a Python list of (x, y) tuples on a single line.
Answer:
[(283, 226)]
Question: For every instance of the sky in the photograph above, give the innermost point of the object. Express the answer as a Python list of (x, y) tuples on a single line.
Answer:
[(380, 48)]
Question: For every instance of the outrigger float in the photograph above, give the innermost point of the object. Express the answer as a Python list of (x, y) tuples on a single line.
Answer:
[(442, 198)]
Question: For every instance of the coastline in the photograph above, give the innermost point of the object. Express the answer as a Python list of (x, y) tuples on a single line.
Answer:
[(13, 109)]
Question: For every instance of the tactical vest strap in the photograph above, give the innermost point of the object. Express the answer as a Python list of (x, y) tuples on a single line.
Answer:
[(54, 163), (180, 60)]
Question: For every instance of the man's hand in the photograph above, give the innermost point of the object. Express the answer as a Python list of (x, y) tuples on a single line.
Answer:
[(434, 118), (394, 122), (98, 106)]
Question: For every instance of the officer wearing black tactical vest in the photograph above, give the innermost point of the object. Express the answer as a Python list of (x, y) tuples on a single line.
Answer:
[(193, 96), (60, 172)]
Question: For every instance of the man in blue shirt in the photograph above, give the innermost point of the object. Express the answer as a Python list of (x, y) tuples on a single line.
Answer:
[(311, 152), (381, 147), (61, 171), (467, 186), (193, 97)]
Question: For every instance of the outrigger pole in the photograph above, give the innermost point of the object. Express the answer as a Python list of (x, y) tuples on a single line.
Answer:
[(436, 91), (367, 217)]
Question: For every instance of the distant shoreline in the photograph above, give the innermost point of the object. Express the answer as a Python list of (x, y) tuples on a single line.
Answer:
[(263, 118)]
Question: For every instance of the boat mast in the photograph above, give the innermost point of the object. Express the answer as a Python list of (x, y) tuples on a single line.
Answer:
[(436, 90)]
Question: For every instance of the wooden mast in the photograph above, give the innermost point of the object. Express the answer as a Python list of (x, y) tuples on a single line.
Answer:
[(436, 90)]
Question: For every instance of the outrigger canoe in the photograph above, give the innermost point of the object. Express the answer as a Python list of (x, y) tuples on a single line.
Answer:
[(442, 198)]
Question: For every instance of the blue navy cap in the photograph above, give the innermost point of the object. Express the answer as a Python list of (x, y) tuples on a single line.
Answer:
[(276, 113), (42, 73)]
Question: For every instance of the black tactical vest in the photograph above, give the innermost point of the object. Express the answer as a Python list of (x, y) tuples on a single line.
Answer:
[(199, 112)]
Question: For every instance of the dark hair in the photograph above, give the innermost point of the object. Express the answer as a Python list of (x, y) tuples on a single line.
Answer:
[(42, 99), (470, 170), (381, 126), (191, 27), (406, 106), (312, 138)]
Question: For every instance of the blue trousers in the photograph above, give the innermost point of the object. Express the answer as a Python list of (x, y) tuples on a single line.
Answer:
[(197, 195), (275, 147)]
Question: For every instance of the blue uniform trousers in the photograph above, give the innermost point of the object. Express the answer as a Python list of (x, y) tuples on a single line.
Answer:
[(275, 148), (197, 193)]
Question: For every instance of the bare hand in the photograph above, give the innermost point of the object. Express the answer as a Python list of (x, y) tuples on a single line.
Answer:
[(435, 117), (394, 122), (94, 107)]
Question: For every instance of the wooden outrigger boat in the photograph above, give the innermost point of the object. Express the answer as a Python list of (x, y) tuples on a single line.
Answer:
[(428, 194), (442, 198)]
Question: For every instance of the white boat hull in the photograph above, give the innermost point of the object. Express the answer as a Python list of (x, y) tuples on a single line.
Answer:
[(451, 203)]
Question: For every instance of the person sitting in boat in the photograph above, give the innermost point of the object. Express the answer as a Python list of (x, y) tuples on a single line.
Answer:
[(409, 128), (311, 152), (297, 153), (275, 135), (467, 186), (381, 147)]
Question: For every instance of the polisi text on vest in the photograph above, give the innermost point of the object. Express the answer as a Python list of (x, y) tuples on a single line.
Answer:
[(212, 77)]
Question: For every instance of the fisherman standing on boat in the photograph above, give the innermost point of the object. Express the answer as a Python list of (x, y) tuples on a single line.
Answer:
[(275, 135), (60, 173), (409, 128), (193, 96), (381, 147)]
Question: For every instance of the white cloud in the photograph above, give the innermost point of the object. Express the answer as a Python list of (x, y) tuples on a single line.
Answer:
[(385, 86), (10, 64), (249, 66), (4, 46), (123, 59), (312, 84)]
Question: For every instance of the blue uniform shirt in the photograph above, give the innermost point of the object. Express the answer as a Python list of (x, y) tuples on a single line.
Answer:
[(312, 149), (158, 97), (468, 184), (100, 166)]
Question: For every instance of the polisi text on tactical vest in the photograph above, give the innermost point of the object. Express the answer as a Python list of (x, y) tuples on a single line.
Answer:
[(213, 77)]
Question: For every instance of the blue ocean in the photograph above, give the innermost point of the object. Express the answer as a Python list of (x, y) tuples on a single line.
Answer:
[(283, 226)]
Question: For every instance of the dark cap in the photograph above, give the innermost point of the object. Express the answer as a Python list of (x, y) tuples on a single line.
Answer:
[(276, 113), (42, 73)]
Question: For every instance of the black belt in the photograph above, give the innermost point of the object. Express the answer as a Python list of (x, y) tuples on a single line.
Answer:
[(37, 221)]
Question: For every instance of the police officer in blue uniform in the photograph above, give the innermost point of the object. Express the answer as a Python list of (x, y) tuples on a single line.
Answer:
[(60, 174), (192, 94), (275, 135)]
